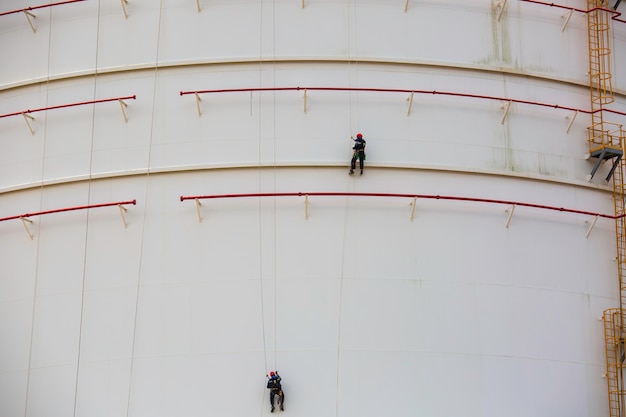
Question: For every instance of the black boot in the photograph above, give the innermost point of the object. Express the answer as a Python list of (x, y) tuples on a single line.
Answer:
[(272, 410)]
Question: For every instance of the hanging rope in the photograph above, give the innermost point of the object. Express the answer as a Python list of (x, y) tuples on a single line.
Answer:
[(145, 209)]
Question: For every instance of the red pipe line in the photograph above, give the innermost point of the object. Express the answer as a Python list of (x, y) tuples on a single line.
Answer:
[(39, 213), (421, 196), (615, 13), (133, 97), (394, 90), (40, 7)]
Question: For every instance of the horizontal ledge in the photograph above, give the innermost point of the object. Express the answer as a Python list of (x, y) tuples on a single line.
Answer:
[(295, 165)]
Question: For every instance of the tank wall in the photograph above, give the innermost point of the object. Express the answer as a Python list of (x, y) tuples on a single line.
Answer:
[(366, 305), (452, 303)]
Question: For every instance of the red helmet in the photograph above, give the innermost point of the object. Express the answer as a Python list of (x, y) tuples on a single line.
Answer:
[(359, 136), (272, 373)]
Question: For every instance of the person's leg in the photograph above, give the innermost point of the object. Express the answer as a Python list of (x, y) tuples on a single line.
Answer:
[(282, 400), (272, 395), (361, 160), (353, 163)]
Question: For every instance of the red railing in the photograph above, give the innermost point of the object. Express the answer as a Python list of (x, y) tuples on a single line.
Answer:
[(40, 213), (416, 196), (396, 90), (27, 9), (615, 13), (133, 97)]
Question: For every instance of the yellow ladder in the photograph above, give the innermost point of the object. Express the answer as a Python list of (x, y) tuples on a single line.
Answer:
[(606, 141), (614, 338)]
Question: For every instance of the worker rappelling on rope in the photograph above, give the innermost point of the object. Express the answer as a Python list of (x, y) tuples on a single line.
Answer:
[(276, 389), (358, 153)]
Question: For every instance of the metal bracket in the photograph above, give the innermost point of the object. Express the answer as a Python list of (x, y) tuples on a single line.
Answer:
[(198, 5), (414, 203), (123, 105), (406, 6), (306, 207), (510, 216), (122, 211), (500, 6), (28, 117), (24, 221), (593, 223), (604, 155), (506, 111), (198, 100), (124, 3), (410, 100), (571, 122), (302, 4), (28, 16), (304, 101), (198, 205), (569, 15)]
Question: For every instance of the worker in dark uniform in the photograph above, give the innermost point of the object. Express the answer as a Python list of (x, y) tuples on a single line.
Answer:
[(273, 384), (359, 153)]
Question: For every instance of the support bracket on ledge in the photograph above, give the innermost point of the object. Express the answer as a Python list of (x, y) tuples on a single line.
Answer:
[(304, 101), (198, 100), (302, 4), (506, 107), (406, 6), (569, 16), (28, 117), (414, 203), (571, 122), (123, 106), (501, 5), (198, 205), (198, 5), (510, 216), (593, 223), (24, 221), (124, 3), (410, 100), (123, 210), (306, 207), (30, 22)]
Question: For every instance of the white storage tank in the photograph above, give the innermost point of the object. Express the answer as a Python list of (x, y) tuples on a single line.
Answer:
[(177, 218)]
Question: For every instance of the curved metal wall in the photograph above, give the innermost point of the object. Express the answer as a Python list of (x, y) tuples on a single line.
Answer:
[(366, 305)]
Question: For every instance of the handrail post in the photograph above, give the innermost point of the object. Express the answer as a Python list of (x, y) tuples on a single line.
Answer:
[(571, 122), (567, 20), (24, 220), (26, 117), (122, 211), (124, 2), (198, 100), (593, 223), (506, 112), (510, 216), (123, 105), (30, 23), (501, 5), (198, 205)]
